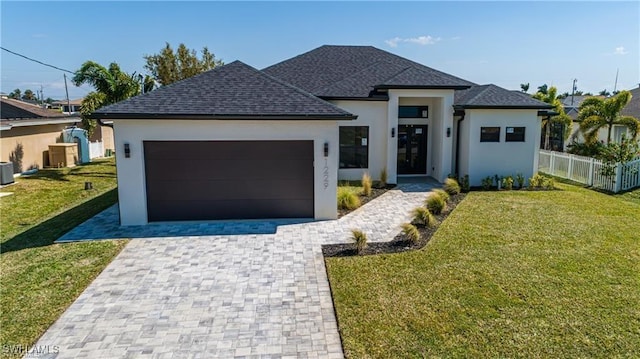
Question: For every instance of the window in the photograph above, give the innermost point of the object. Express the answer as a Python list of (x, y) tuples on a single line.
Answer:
[(515, 134), (489, 134), (413, 111), (354, 147)]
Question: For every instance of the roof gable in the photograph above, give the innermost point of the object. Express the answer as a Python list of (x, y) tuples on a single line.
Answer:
[(16, 109), (331, 68), (235, 90), (633, 107), (492, 96)]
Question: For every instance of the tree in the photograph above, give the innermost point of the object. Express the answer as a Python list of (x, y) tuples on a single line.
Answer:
[(28, 95), (596, 113), (578, 93), (168, 66), (604, 93), (543, 89), (550, 96), (111, 85), (15, 94), (524, 87), (564, 95)]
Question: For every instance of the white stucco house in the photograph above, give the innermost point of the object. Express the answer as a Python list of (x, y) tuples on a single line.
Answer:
[(240, 143)]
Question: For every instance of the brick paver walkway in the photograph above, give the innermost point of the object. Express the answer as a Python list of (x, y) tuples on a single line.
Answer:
[(242, 290)]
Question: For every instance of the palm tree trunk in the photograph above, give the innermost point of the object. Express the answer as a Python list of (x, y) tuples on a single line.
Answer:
[(609, 133), (547, 135)]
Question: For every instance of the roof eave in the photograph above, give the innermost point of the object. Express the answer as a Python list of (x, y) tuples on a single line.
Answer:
[(501, 107), (423, 87), (156, 116), (347, 98)]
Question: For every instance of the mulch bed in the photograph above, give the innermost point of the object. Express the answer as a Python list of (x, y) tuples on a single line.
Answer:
[(400, 243), (375, 192)]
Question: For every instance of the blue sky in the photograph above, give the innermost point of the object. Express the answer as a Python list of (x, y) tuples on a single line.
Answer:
[(505, 43)]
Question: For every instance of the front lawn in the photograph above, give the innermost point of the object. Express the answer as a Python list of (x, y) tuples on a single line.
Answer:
[(507, 274), (41, 279)]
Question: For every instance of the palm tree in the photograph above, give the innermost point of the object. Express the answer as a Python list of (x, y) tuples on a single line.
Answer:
[(596, 113), (550, 96), (524, 87), (111, 85)]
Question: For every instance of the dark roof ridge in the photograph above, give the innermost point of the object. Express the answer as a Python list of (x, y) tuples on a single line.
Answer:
[(355, 73)]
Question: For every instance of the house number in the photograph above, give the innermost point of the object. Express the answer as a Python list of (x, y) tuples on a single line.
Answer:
[(325, 175)]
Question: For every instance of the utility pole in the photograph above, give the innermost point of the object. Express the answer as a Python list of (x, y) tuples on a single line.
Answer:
[(615, 86), (573, 90), (67, 91)]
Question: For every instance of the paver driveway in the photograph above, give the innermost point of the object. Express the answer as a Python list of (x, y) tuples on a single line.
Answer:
[(221, 296)]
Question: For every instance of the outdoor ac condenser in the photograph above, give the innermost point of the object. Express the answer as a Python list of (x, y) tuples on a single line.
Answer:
[(6, 173)]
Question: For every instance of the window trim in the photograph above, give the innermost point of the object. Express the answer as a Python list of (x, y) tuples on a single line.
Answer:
[(524, 134), (420, 109), (354, 147), (489, 140)]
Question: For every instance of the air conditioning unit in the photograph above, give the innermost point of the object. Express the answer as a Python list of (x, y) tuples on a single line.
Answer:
[(6, 173)]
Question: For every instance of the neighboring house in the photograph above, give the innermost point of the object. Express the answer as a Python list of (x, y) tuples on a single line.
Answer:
[(69, 107), (273, 143), (27, 130)]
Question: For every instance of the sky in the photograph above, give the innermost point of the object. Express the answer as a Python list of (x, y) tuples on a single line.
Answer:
[(505, 43)]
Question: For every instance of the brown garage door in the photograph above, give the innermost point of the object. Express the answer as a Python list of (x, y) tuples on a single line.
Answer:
[(206, 180)]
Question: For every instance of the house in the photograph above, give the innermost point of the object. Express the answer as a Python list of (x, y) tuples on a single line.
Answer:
[(27, 130), (273, 143), (68, 107)]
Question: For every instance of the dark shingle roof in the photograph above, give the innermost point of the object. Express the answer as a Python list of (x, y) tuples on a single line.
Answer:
[(16, 109), (633, 107), (235, 90), (577, 100), (492, 96), (353, 71)]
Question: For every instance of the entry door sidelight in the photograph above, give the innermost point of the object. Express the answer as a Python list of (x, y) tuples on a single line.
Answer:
[(412, 149)]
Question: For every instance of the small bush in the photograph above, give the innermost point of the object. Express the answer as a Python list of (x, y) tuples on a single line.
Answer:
[(442, 193), (383, 177), (487, 182), (549, 183), (360, 239), (537, 181), (465, 186), (451, 186), (520, 180), (422, 217), (435, 204), (347, 199), (366, 184), (411, 232), (507, 183)]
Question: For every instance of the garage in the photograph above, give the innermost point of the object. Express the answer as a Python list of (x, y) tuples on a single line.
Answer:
[(214, 180)]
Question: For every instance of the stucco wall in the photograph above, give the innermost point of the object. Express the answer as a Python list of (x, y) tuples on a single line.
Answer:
[(35, 141), (482, 159), (131, 176), (374, 115), (104, 134)]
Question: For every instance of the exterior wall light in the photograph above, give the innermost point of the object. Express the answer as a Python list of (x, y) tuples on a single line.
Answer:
[(448, 131), (127, 150), (393, 132), (326, 149)]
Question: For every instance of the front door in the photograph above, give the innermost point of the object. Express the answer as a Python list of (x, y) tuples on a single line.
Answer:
[(412, 149)]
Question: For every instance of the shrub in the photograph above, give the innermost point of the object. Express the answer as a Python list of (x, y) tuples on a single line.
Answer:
[(487, 182), (451, 186), (383, 177), (464, 184), (536, 181), (507, 183), (591, 149), (442, 193), (411, 232), (366, 184), (549, 183), (347, 199), (360, 239), (435, 204), (520, 180), (422, 217)]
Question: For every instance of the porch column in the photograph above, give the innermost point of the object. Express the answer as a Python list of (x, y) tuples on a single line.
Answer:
[(392, 142)]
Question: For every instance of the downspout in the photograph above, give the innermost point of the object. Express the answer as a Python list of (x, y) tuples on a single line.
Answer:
[(458, 146)]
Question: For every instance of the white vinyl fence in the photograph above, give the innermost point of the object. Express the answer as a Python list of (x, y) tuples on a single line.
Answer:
[(96, 149), (588, 171)]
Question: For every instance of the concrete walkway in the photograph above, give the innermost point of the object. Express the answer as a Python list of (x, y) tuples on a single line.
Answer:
[(262, 293)]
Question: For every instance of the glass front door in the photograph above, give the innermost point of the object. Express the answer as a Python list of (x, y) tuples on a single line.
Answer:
[(412, 149)]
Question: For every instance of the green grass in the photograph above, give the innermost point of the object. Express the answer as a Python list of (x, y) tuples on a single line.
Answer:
[(631, 196), (41, 279), (513, 274)]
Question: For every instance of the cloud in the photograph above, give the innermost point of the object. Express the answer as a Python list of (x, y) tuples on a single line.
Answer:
[(420, 40), (620, 51)]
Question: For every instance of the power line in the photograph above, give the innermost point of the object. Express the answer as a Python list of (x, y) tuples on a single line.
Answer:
[(34, 60)]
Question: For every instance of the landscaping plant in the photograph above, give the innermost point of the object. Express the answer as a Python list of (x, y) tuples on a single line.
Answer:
[(464, 184), (411, 232), (520, 180), (451, 186), (508, 183), (423, 217), (435, 203), (487, 182), (442, 193), (366, 184), (360, 239), (347, 199), (383, 177)]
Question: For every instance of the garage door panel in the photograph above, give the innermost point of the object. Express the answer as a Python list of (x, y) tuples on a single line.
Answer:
[(231, 189), (232, 209), (204, 180), (228, 169)]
